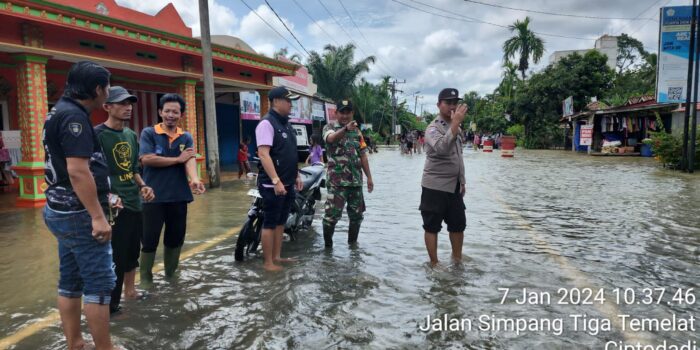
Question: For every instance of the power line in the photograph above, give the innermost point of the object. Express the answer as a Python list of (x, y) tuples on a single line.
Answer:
[(345, 31), (476, 20), (316, 22), (285, 26), (551, 13), (641, 13), (271, 27), (365, 38)]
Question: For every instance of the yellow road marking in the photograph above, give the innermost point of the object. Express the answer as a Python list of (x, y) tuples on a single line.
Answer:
[(52, 318), (579, 278)]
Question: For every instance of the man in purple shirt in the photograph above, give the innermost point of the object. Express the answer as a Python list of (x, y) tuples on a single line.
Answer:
[(277, 149)]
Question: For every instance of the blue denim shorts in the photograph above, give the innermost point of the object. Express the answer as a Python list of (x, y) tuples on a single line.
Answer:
[(277, 208), (86, 266)]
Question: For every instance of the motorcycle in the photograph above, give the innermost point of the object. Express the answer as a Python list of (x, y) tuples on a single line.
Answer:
[(300, 217)]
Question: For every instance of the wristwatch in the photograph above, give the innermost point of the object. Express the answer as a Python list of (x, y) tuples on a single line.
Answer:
[(275, 181)]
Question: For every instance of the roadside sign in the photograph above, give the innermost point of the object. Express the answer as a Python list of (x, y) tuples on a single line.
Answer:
[(586, 138), (674, 45)]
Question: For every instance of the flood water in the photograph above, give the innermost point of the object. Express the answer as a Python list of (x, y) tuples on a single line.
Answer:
[(544, 221)]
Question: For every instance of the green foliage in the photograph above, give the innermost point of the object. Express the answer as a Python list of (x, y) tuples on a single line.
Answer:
[(668, 148), (284, 52), (629, 50), (517, 130), (488, 112), (375, 136), (335, 72), (538, 103), (525, 44)]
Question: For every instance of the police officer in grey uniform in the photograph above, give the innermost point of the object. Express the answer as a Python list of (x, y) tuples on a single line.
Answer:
[(443, 182)]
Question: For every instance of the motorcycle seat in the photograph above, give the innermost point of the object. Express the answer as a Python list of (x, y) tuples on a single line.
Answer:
[(310, 174)]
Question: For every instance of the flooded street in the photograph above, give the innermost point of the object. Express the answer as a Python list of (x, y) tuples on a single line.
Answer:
[(544, 220)]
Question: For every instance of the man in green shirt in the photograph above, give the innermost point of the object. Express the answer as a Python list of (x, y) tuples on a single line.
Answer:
[(121, 149)]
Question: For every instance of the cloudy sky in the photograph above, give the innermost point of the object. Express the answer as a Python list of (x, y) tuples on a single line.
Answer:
[(431, 44)]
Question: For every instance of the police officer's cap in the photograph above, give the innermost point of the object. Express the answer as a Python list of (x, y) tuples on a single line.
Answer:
[(449, 94), (282, 92)]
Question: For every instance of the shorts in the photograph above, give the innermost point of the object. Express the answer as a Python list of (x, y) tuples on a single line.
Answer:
[(438, 206), (276, 207), (85, 265)]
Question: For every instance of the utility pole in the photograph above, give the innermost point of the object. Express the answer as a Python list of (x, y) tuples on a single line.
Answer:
[(689, 103), (415, 105), (392, 86), (209, 101), (694, 111)]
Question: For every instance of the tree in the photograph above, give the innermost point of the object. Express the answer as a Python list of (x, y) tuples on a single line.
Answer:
[(629, 50), (510, 78), (371, 102), (538, 106), (283, 52), (335, 71), (525, 43)]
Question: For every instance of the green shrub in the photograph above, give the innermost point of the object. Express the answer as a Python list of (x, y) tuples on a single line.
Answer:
[(668, 148), (517, 130)]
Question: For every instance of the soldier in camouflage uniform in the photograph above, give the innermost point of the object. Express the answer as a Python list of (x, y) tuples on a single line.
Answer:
[(347, 158)]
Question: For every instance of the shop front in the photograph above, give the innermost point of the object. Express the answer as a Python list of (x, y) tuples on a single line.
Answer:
[(148, 55)]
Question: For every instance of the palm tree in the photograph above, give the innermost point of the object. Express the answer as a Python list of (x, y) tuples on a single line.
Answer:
[(369, 100), (335, 72), (510, 76), (283, 52), (525, 43)]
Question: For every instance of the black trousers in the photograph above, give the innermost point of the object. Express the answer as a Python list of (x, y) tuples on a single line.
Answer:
[(155, 215), (126, 245)]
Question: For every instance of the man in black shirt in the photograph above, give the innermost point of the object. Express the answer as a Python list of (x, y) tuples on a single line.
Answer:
[(77, 200)]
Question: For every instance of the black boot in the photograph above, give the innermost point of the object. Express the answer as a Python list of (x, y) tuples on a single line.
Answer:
[(353, 232), (328, 231)]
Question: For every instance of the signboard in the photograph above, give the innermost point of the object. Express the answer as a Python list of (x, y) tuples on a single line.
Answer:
[(301, 80), (250, 105), (301, 111), (12, 139), (674, 45), (330, 112), (586, 138), (568, 106), (317, 111)]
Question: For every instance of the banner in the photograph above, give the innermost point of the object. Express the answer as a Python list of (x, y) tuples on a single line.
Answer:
[(317, 111), (301, 111), (674, 45), (586, 138), (330, 112), (568, 106), (250, 105)]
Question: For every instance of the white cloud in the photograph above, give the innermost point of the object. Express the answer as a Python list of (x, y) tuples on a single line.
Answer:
[(259, 35), (222, 20)]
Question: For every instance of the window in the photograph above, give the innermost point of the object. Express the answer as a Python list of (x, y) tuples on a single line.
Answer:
[(92, 45), (147, 55)]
